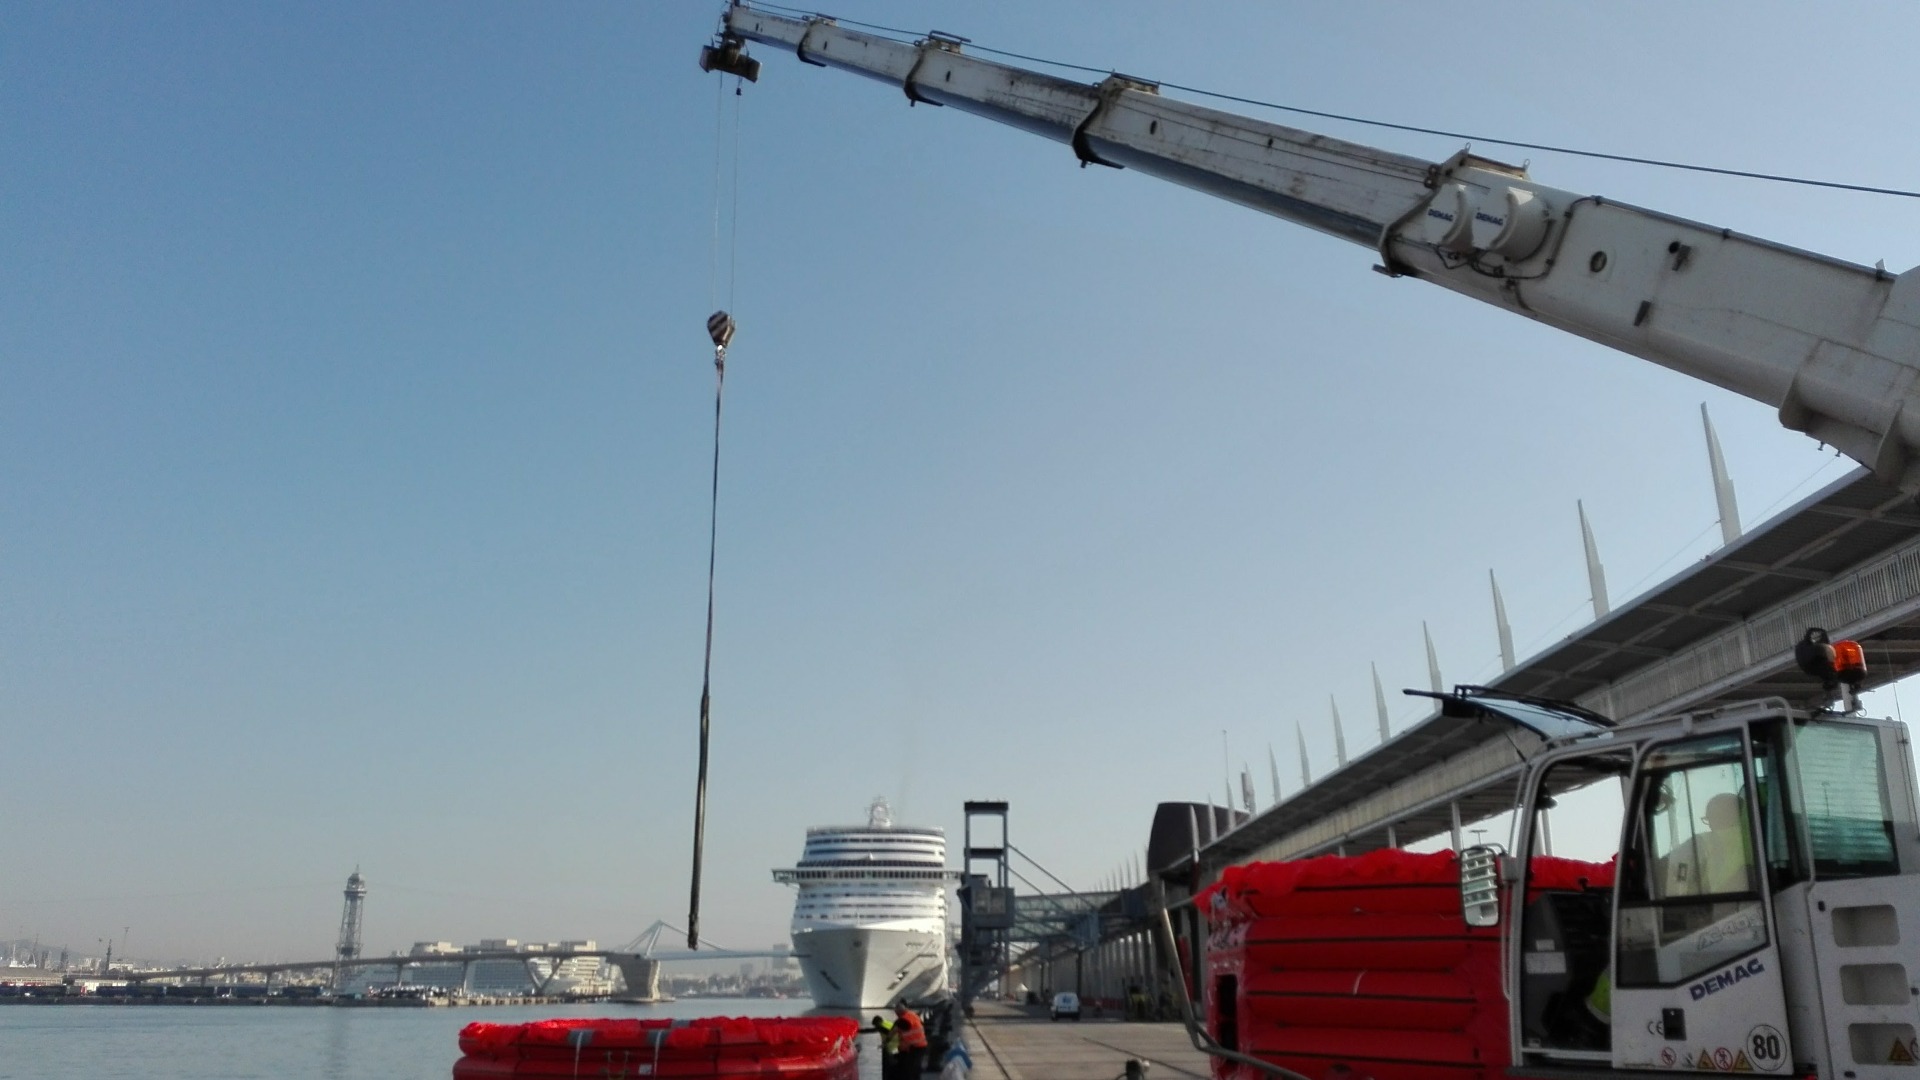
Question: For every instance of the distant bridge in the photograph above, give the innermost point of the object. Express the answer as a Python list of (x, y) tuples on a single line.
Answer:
[(637, 960)]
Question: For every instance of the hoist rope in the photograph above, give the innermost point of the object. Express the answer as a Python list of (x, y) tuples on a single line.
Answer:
[(720, 327), (706, 668), (733, 212), (713, 243), (911, 37), (1601, 155)]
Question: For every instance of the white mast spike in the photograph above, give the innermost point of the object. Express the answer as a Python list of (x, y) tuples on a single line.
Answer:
[(1226, 773), (1273, 766), (1306, 778), (1596, 574), (1339, 737), (1500, 624), (1380, 704), (1722, 483), (1433, 660)]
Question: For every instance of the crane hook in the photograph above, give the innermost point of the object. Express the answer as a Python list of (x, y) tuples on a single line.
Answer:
[(720, 327)]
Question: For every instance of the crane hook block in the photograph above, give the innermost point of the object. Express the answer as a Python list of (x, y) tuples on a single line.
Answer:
[(720, 329), (728, 55)]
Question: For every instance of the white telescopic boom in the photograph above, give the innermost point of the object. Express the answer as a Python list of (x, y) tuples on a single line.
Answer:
[(1834, 346)]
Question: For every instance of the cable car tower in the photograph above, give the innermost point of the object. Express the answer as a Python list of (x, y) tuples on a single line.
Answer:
[(348, 947)]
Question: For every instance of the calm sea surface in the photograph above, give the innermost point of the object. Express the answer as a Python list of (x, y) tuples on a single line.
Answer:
[(238, 1042)]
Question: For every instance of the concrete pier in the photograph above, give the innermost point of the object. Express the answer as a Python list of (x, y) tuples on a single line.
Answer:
[(1015, 1042)]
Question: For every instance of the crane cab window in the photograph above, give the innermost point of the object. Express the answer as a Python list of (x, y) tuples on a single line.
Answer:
[(1690, 884), (1842, 797)]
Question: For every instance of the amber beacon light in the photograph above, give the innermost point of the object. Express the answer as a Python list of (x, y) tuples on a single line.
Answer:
[(1849, 663)]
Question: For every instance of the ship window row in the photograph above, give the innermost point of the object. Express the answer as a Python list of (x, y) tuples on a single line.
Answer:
[(819, 869), (932, 851), (864, 915), (832, 917), (884, 901), (888, 904), (866, 908), (877, 864), (867, 898), (859, 873), (844, 855)]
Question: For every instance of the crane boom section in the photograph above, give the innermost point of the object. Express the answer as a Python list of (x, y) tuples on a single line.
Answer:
[(1834, 346), (1345, 189)]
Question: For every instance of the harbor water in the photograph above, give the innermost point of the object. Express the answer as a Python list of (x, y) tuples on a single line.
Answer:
[(213, 1042)]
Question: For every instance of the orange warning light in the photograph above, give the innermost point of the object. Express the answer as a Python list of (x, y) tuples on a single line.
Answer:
[(1849, 662)]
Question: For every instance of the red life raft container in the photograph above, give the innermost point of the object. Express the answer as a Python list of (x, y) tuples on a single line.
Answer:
[(713, 1048), (1362, 966)]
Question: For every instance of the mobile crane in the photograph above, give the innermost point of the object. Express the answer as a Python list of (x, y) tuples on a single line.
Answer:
[(1834, 346), (1765, 911)]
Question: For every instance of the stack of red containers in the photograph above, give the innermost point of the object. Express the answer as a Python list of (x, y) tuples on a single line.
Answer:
[(800, 1048), (1361, 965)]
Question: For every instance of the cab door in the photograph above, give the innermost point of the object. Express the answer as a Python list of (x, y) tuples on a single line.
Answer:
[(1696, 978)]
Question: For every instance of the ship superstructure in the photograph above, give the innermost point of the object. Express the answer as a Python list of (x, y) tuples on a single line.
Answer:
[(870, 920)]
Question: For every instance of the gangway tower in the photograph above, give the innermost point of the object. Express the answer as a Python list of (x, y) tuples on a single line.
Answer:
[(986, 902), (348, 947)]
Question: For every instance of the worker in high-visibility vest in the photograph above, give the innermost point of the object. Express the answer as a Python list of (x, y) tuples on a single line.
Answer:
[(913, 1041), (889, 1035)]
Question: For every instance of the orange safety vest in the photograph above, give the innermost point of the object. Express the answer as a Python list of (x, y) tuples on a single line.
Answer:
[(913, 1034)]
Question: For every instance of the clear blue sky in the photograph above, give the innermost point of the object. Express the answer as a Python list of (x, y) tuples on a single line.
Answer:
[(355, 405)]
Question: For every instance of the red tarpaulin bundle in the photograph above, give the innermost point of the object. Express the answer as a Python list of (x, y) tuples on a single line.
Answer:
[(1362, 966), (789, 1048)]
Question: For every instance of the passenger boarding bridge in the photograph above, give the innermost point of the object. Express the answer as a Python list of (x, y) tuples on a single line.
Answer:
[(1846, 559)]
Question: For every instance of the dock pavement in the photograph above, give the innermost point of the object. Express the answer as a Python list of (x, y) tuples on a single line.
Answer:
[(1020, 1042)]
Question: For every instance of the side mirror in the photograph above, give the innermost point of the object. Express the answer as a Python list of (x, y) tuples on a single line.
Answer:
[(1480, 885)]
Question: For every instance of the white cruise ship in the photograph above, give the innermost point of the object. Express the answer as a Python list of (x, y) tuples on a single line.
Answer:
[(870, 923)]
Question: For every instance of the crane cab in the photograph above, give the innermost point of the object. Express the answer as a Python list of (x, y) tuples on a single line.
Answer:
[(1764, 910)]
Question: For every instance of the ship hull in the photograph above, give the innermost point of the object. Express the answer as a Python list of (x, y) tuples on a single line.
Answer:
[(870, 967)]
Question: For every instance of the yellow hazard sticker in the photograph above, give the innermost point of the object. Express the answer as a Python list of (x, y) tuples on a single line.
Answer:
[(1740, 1062), (1703, 1061), (1899, 1055)]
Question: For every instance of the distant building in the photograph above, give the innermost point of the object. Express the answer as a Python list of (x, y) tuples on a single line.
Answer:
[(447, 976), (587, 976)]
